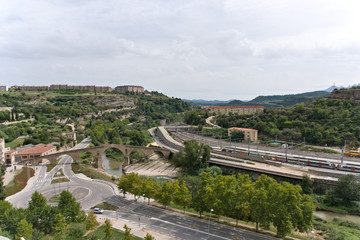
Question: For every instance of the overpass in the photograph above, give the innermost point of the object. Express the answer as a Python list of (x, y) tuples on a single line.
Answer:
[(97, 152)]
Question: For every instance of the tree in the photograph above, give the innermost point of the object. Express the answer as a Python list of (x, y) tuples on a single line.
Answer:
[(60, 225), (199, 201), (148, 189), (164, 193), (37, 208), (2, 187), (181, 195), (91, 221), (127, 233), (24, 229), (348, 189), (149, 237), (306, 184), (237, 135), (70, 208), (124, 185), (108, 230)]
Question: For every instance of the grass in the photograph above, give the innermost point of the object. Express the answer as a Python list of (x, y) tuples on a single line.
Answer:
[(55, 198), (90, 172), (319, 201), (59, 180), (50, 166), (14, 144), (106, 206), (60, 173), (337, 229), (20, 181)]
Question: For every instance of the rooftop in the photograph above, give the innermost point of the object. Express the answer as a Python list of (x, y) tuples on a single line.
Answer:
[(36, 150), (243, 129)]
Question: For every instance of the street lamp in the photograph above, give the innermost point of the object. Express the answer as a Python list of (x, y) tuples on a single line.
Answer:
[(211, 210)]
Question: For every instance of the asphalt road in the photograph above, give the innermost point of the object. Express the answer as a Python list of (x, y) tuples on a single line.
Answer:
[(97, 191), (176, 225)]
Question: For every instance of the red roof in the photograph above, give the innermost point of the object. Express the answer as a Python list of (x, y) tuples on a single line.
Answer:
[(243, 129), (237, 107), (36, 150), (11, 151)]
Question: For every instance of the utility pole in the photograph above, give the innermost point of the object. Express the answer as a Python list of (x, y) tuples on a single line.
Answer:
[(248, 146), (342, 154)]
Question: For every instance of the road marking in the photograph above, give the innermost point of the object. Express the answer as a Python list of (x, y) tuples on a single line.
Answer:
[(214, 235)]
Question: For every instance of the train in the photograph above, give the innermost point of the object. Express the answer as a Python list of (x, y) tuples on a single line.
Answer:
[(294, 159)]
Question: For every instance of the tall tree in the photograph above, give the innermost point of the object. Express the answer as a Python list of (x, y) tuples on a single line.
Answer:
[(24, 230), (164, 193), (60, 226), (91, 221), (108, 230), (2, 187), (37, 209), (181, 195), (70, 208), (127, 233)]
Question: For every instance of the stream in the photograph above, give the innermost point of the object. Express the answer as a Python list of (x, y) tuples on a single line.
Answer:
[(117, 171)]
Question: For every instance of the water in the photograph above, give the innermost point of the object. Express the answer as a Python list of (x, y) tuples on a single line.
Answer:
[(108, 169), (329, 216)]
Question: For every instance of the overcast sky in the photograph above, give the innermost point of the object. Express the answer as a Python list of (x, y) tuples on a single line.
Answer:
[(209, 49)]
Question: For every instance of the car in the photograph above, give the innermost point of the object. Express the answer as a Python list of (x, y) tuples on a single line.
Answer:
[(98, 210)]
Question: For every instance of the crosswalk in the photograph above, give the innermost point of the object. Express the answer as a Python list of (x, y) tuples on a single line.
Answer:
[(43, 180)]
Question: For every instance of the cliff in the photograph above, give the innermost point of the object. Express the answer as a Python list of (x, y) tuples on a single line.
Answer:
[(352, 93)]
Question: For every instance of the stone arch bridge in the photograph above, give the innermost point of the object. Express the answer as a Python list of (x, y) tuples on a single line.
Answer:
[(97, 152)]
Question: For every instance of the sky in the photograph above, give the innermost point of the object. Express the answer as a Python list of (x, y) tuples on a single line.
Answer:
[(193, 49)]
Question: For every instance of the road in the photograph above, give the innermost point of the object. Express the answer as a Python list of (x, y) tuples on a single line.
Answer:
[(175, 225), (88, 192)]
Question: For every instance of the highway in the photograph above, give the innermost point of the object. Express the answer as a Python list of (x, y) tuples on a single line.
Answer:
[(175, 225), (87, 192)]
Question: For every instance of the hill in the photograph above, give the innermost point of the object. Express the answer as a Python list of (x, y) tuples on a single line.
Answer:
[(279, 100)]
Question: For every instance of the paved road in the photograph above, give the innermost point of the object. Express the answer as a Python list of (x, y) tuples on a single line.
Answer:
[(176, 225), (92, 191)]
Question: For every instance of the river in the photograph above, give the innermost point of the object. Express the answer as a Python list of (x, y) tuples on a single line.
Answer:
[(329, 216), (110, 168)]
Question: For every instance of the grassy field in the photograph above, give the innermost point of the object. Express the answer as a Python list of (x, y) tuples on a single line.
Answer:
[(19, 181), (50, 166), (55, 198), (14, 144), (59, 180)]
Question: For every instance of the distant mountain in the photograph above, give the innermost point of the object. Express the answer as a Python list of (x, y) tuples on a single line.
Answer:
[(206, 102), (279, 100), (330, 89)]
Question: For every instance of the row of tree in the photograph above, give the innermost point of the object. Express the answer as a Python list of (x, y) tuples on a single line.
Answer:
[(264, 201)]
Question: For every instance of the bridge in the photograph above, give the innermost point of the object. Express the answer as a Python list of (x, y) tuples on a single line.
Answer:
[(97, 152)]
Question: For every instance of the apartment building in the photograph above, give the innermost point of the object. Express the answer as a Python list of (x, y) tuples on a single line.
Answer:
[(10, 156), (30, 88), (90, 88), (3, 88), (242, 110), (129, 88), (249, 134)]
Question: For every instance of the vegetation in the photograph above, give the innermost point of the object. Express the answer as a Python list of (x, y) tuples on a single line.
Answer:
[(320, 122), (59, 180), (264, 201)]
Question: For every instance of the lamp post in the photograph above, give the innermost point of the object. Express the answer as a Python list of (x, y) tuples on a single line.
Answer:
[(211, 210)]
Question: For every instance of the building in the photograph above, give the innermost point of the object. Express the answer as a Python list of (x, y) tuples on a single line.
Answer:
[(90, 88), (34, 152), (2, 150), (70, 135), (241, 110), (30, 88), (3, 88), (249, 134), (129, 88), (10, 156)]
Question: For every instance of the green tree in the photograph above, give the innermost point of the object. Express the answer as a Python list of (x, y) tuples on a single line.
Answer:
[(24, 229), (2, 187), (127, 233), (124, 185), (348, 189), (149, 237), (70, 208), (237, 135), (181, 194), (306, 184), (199, 201), (60, 225), (108, 230), (164, 193), (37, 208), (91, 222), (148, 189)]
